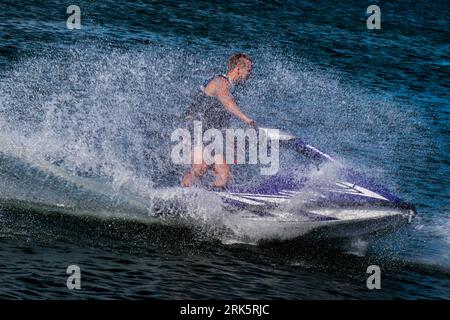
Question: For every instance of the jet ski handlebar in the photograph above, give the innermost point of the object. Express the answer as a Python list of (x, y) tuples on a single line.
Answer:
[(289, 140)]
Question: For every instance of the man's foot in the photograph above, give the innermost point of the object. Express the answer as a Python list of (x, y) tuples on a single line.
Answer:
[(188, 180)]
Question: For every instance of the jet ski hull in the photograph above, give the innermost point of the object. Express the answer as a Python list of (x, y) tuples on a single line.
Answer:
[(353, 222)]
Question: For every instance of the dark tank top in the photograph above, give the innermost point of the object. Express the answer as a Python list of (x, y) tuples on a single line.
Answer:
[(208, 110)]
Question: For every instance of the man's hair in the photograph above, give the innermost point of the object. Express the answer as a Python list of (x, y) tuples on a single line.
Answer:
[(237, 59)]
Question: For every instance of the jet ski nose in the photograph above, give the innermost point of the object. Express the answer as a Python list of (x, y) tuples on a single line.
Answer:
[(409, 210), (411, 215), (412, 212)]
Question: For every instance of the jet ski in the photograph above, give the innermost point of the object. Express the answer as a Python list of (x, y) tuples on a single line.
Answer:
[(284, 207)]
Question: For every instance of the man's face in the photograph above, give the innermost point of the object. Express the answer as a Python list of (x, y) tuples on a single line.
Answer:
[(245, 70)]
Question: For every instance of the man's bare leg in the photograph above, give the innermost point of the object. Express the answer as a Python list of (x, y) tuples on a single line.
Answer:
[(198, 169), (195, 173), (222, 172)]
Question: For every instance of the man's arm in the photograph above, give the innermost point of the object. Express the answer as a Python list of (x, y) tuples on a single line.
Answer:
[(222, 93)]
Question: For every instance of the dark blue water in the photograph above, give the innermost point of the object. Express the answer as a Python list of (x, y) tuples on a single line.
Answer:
[(86, 116)]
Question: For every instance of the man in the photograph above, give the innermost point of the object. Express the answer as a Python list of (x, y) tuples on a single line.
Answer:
[(214, 106)]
